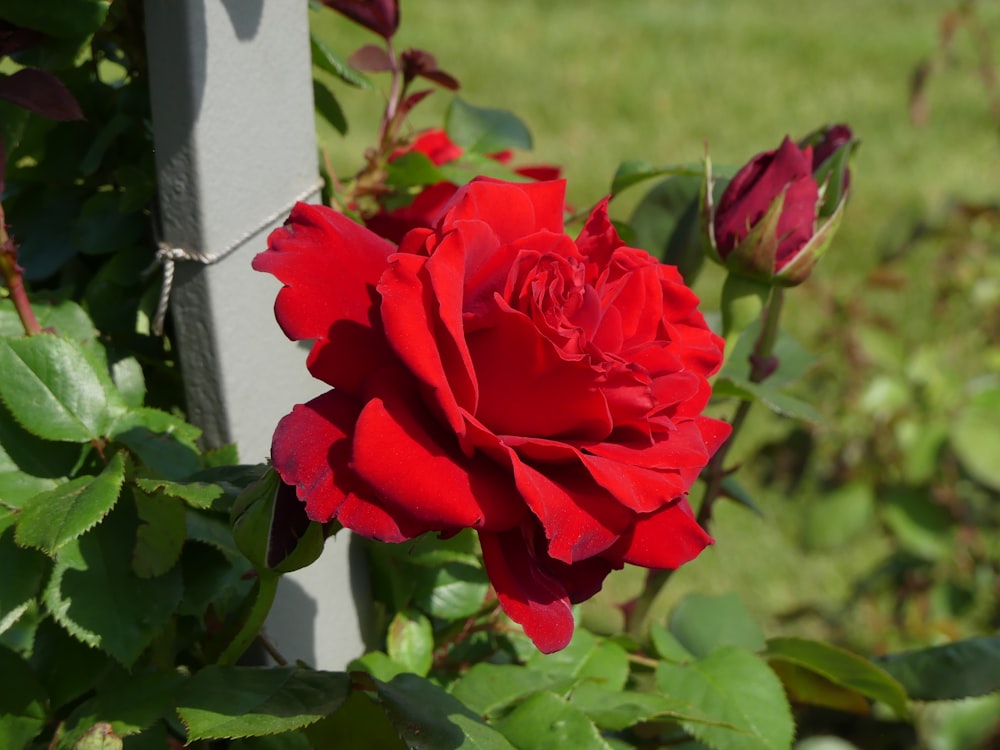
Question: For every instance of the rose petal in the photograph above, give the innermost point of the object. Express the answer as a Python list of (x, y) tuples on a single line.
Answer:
[(598, 239), (330, 266), (311, 448), (527, 389), (581, 518), (371, 520), (422, 314), (639, 489), (667, 538), (513, 214), (415, 467), (530, 597)]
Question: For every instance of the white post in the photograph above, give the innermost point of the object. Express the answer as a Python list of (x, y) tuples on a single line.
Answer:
[(232, 106)]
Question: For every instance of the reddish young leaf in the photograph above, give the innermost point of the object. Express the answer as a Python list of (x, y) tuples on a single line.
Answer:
[(416, 62), (40, 92), (370, 59)]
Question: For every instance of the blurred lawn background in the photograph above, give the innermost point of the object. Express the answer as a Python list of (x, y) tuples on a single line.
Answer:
[(599, 82)]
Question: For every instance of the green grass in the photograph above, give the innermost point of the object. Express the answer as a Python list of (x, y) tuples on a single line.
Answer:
[(602, 82)]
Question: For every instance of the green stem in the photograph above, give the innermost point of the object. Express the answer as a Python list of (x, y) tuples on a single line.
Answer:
[(638, 619), (265, 587), (760, 368), (715, 472), (13, 278)]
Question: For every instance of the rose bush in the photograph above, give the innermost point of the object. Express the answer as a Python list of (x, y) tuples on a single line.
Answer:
[(492, 373), (435, 144), (772, 221)]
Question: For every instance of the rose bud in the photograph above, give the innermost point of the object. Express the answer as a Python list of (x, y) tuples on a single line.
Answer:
[(778, 214)]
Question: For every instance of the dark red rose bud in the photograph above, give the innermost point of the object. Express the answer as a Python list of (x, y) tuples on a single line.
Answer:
[(779, 212), (784, 175), (380, 16)]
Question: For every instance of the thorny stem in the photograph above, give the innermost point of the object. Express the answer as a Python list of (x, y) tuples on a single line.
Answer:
[(762, 365), (13, 278)]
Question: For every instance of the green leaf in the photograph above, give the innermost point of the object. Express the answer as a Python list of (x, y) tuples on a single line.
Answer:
[(427, 718), (618, 709), (473, 164), (975, 436), (211, 530), (777, 401), (410, 641), (128, 705), (161, 441), (66, 668), (704, 622), (413, 170), (432, 551), (126, 372), (666, 224), (326, 59), (58, 17), (65, 317), (52, 389), (94, 594), (34, 458), (635, 171), (840, 668), (378, 664), (488, 688), (101, 228), (160, 536), (735, 688), (585, 656), (17, 591), (451, 591), (22, 702), (53, 519), (667, 646), (226, 702), (202, 495), (328, 106), (485, 130), (547, 722), (362, 720), (964, 669)]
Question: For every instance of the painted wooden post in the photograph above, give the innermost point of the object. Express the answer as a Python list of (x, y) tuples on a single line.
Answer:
[(232, 109)]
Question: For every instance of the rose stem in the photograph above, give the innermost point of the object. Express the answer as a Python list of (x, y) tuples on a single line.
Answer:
[(385, 134), (13, 277), (760, 368)]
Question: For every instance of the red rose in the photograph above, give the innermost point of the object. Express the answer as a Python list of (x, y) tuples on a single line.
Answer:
[(492, 373), (427, 206)]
